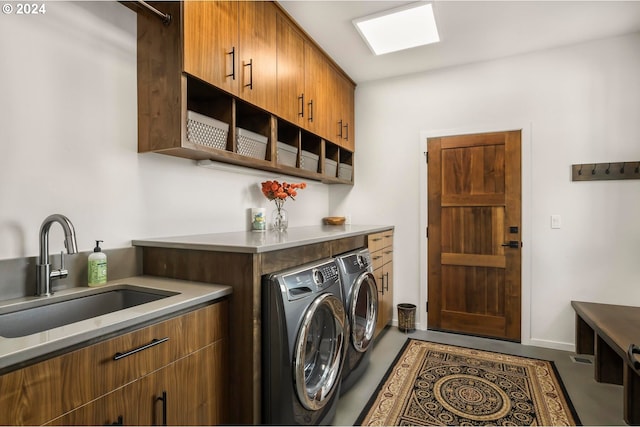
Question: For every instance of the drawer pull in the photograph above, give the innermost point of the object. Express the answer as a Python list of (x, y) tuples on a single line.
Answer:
[(377, 257), (120, 422), (632, 351), (153, 343)]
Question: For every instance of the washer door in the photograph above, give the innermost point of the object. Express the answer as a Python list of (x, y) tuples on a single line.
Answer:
[(363, 311), (317, 360)]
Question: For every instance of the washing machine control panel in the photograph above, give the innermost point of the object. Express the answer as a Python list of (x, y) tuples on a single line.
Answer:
[(325, 275)]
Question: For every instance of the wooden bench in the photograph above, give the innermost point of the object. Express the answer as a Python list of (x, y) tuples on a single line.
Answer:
[(607, 331)]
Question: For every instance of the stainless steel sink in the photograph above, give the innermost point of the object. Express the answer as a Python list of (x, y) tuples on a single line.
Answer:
[(42, 314)]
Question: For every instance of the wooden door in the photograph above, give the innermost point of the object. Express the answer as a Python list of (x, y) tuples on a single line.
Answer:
[(290, 72), (257, 56), (474, 208), (211, 49)]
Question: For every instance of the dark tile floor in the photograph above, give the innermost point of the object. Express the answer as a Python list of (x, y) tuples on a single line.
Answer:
[(595, 403)]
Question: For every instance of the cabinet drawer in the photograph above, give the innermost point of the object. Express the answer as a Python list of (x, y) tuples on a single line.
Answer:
[(66, 382), (387, 255), (375, 242), (387, 237), (377, 259)]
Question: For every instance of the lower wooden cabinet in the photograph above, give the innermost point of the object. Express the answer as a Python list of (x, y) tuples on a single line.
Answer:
[(190, 391), (181, 379), (381, 247)]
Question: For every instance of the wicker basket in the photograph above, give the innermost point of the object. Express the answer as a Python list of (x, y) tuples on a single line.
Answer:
[(204, 130), (251, 144), (330, 167), (309, 161), (286, 154), (345, 171)]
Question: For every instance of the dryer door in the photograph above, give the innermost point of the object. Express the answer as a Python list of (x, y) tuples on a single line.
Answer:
[(363, 311), (319, 351)]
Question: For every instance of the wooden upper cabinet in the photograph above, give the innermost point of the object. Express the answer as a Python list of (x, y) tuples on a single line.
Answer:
[(211, 42), (346, 95), (232, 45), (290, 72), (316, 97), (257, 53)]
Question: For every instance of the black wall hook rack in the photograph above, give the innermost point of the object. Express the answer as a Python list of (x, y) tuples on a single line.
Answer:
[(605, 171)]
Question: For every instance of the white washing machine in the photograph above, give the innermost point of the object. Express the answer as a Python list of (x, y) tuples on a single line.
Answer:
[(304, 331), (361, 302)]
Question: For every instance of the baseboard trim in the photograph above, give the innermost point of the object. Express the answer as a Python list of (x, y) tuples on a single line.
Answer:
[(555, 345)]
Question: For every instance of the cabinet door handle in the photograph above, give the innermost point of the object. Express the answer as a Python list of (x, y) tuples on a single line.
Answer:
[(381, 284), (340, 127), (301, 99), (154, 342), (250, 65), (311, 110), (346, 138), (164, 407), (386, 287), (233, 63)]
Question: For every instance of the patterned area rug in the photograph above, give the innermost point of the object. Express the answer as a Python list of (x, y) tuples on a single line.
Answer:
[(438, 384)]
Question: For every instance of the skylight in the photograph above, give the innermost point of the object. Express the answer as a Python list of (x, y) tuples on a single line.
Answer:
[(398, 29)]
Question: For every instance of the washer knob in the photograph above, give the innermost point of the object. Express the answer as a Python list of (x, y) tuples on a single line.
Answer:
[(318, 277)]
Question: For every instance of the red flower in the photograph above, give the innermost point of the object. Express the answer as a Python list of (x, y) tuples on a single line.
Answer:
[(273, 190)]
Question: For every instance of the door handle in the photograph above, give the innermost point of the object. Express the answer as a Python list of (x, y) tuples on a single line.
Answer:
[(633, 350), (512, 244)]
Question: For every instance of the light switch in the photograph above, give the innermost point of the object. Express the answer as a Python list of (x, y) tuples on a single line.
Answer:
[(556, 221)]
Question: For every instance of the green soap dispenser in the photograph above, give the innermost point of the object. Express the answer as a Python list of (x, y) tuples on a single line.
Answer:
[(97, 266)]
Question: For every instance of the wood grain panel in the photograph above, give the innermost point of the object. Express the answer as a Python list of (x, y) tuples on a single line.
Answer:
[(341, 246), (293, 257), (463, 229), (159, 67), (210, 31), (290, 71), (257, 56), (242, 272), (490, 326), (41, 392), (474, 260), (474, 197)]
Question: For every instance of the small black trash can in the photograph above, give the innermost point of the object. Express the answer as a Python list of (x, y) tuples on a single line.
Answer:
[(406, 317)]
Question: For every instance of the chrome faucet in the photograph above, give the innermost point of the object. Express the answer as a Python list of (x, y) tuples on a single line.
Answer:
[(44, 273)]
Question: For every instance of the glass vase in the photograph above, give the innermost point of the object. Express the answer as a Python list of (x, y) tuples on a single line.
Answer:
[(280, 217)]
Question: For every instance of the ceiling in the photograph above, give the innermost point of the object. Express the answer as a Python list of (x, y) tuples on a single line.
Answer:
[(470, 31)]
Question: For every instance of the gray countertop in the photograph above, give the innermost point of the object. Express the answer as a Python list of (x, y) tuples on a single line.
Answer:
[(17, 350), (258, 242)]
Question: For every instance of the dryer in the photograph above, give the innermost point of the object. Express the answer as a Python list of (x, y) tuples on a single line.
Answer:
[(361, 302), (304, 332)]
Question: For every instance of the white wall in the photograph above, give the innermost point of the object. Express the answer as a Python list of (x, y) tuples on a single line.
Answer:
[(68, 137), (582, 104)]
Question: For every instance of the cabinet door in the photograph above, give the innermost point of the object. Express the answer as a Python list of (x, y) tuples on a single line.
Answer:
[(345, 102), (211, 42), (119, 407), (191, 391), (388, 292), (291, 104), (315, 83), (257, 55)]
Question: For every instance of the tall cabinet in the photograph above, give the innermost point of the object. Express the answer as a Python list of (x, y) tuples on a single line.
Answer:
[(253, 77)]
